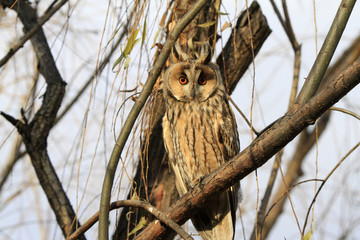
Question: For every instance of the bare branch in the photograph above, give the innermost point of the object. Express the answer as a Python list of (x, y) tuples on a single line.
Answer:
[(35, 132), (132, 203), (308, 139), (30, 33), (325, 180)]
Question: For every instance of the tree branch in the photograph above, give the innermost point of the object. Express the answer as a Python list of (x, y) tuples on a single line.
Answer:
[(120, 142), (327, 50), (282, 132), (30, 33), (237, 55), (307, 140), (132, 203), (35, 132)]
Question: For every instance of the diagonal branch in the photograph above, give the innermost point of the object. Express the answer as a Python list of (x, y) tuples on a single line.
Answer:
[(251, 28), (307, 139), (264, 147), (30, 33), (124, 134), (327, 50)]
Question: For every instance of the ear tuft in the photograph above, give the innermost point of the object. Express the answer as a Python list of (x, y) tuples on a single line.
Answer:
[(205, 53), (179, 54)]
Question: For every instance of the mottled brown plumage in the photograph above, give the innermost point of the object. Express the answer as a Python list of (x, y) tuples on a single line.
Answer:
[(200, 134)]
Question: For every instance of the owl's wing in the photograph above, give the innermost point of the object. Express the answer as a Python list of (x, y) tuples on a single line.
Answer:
[(230, 145), (167, 137), (180, 184), (227, 133)]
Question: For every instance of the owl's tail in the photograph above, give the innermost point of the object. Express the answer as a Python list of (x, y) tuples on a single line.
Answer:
[(217, 220)]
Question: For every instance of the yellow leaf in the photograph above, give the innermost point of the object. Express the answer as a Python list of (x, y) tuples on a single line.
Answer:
[(142, 224), (132, 41), (221, 13), (208, 24), (143, 34), (225, 26), (135, 196), (309, 234)]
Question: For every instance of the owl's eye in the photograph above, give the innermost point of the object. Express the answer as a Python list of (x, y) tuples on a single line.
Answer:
[(202, 80), (183, 80)]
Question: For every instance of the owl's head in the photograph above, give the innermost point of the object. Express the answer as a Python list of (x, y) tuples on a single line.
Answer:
[(192, 78)]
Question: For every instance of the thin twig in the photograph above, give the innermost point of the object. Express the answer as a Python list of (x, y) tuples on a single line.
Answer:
[(132, 203), (288, 195), (325, 180), (124, 134), (288, 27), (267, 195), (345, 111), (282, 196), (93, 75), (30, 33), (244, 117), (286, 24), (278, 14)]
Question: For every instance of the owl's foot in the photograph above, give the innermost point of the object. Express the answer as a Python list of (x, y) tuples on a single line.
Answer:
[(199, 181)]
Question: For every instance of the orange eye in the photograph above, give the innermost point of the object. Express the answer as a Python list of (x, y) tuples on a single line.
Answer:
[(202, 80), (183, 80)]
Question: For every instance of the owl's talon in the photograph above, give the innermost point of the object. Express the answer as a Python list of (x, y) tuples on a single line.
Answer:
[(201, 178)]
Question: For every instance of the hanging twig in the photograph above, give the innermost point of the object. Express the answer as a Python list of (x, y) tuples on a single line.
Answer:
[(345, 111), (244, 117), (323, 183)]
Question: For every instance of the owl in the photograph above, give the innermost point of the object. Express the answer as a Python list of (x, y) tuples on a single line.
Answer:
[(200, 134)]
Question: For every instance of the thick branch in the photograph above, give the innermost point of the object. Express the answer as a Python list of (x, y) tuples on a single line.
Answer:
[(282, 132), (236, 56)]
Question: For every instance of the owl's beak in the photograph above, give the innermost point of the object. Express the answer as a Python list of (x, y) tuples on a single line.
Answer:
[(193, 93)]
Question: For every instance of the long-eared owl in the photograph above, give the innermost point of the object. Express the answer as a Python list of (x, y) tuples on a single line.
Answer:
[(200, 134)]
